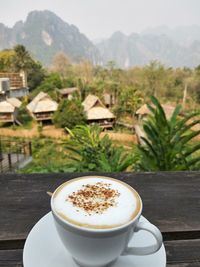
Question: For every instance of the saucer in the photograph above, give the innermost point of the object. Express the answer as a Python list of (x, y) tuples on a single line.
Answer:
[(43, 248)]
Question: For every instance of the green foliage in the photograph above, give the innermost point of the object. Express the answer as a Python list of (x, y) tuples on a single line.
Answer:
[(129, 101), (21, 59), (48, 156), (69, 114), (24, 117), (35, 75), (6, 57), (167, 144), (88, 151), (48, 85)]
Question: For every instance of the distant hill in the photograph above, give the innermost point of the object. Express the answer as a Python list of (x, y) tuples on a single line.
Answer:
[(45, 34), (138, 49)]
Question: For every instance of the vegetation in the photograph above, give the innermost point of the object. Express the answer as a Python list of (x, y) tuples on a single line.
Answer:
[(167, 145), (48, 156), (69, 114), (91, 152), (19, 59), (24, 117)]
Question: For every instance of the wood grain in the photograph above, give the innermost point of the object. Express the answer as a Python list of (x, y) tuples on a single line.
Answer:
[(182, 253), (171, 200)]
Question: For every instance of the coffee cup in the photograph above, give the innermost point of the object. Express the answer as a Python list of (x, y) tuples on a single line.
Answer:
[(96, 217)]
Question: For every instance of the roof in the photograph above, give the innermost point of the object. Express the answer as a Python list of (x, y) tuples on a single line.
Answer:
[(6, 107), (14, 101), (67, 91), (42, 103), (98, 113), (16, 80), (167, 108), (92, 101)]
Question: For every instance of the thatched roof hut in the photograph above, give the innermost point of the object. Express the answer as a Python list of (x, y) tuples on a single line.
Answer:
[(67, 92), (42, 107), (9, 109), (143, 111), (14, 101), (92, 101), (97, 113)]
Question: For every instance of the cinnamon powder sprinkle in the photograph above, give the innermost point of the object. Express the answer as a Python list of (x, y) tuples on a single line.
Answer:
[(94, 198)]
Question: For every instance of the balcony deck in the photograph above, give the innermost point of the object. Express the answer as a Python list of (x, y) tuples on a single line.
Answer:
[(171, 201)]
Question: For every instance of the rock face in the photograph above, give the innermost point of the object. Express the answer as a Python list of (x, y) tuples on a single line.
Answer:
[(45, 34), (138, 49)]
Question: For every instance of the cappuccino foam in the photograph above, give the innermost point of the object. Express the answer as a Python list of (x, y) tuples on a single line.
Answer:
[(96, 202)]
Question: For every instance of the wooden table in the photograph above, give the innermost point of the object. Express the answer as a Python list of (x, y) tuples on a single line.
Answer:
[(171, 201)]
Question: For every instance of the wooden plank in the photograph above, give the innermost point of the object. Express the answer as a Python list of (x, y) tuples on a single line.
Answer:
[(183, 252), (171, 201), (11, 258), (188, 264)]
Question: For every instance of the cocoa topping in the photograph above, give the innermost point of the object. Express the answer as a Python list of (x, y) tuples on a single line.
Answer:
[(94, 198)]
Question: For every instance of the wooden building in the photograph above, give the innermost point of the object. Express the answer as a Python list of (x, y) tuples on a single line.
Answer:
[(143, 111), (67, 92), (97, 113), (42, 107), (9, 110), (13, 85)]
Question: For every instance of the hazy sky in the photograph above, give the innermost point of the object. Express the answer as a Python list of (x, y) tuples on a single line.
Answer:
[(100, 18)]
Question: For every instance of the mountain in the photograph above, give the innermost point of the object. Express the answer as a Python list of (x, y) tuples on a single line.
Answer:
[(44, 34), (158, 44), (183, 35)]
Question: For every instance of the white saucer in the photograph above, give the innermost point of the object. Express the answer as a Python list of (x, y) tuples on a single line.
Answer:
[(43, 248)]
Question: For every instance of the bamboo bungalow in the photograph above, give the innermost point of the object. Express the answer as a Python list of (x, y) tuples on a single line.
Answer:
[(67, 92), (9, 110), (42, 107), (97, 113), (143, 111)]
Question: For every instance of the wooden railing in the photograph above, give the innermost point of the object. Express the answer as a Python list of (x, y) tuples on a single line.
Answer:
[(13, 153)]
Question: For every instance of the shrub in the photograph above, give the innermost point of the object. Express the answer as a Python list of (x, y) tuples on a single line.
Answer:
[(69, 114), (167, 145), (88, 151)]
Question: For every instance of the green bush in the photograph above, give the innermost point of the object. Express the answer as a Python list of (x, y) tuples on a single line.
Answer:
[(24, 117), (88, 151), (167, 145), (69, 114)]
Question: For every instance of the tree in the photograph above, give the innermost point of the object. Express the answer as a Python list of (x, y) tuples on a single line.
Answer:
[(6, 58), (167, 144), (61, 64), (69, 114), (48, 85), (22, 59), (88, 151), (129, 101), (154, 73)]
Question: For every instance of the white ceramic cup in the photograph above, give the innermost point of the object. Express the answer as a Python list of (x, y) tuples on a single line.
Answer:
[(102, 247)]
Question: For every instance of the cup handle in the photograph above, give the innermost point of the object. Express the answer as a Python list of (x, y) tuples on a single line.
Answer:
[(148, 249)]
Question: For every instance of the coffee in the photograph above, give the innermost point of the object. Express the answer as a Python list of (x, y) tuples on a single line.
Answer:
[(96, 202)]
